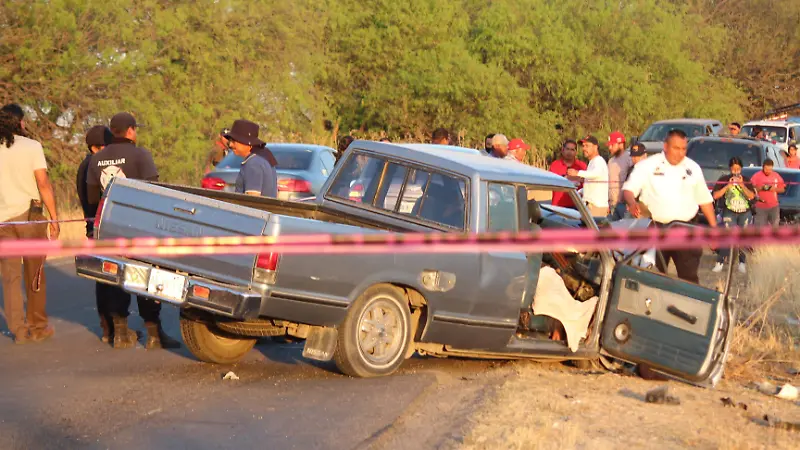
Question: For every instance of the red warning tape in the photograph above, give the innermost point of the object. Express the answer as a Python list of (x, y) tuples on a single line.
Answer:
[(542, 241)]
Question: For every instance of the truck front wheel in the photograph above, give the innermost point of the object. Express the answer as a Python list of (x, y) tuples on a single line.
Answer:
[(374, 337), (210, 344)]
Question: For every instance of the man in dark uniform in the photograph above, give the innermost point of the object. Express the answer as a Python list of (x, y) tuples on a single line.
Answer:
[(96, 139), (122, 158), (257, 175)]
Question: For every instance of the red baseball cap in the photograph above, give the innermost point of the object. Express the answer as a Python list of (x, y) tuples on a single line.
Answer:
[(616, 137), (517, 144)]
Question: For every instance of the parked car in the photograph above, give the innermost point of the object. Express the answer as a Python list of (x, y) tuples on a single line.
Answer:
[(780, 133), (713, 154), (653, 137), (369, 312), (790, 200), (302, 169)]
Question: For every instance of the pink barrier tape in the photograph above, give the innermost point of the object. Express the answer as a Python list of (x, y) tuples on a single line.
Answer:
[(34, 222), (544, 241)]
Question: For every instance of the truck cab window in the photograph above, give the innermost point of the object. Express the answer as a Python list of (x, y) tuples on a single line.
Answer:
[(502, 211), (439, 198), (357, 181)]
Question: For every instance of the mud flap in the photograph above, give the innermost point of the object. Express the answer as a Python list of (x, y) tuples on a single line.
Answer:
[(320, 344)]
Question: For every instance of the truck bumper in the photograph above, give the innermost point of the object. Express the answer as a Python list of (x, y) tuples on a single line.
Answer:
[(229, 301)]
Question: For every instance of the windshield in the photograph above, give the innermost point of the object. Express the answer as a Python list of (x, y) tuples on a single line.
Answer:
[(287, 160), (717, 154), (658, 131), (777, 134)]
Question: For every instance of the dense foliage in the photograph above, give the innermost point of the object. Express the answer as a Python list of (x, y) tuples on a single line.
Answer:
[(307, 69)]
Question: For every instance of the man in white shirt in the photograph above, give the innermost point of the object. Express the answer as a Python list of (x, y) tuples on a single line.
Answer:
[(673, 189), (595, 188)]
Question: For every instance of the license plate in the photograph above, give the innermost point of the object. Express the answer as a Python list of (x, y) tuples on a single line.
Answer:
[(166, 284)]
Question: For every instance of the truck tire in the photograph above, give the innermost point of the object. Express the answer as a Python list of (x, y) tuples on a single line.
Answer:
[(375, 335), (209, 344)]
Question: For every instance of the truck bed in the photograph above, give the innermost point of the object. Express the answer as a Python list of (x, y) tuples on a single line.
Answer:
[(305, 210)]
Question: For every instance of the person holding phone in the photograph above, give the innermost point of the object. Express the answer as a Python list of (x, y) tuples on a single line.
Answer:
[(735, 192), (768, 185)]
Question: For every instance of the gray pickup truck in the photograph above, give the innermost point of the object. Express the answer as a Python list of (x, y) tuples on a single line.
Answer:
[(370, 312)]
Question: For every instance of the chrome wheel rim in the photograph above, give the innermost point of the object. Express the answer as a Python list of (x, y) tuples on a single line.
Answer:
[(380, 333)]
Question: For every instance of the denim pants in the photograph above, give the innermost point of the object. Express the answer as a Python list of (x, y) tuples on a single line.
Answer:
[(732, 219)]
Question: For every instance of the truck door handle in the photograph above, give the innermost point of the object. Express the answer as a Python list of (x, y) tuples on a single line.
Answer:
[(672, 309), (184, 210)]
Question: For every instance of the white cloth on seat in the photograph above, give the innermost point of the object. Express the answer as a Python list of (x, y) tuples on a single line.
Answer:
[(553, 299)]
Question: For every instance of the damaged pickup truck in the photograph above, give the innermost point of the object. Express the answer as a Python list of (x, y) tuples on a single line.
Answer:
[(371, 312)]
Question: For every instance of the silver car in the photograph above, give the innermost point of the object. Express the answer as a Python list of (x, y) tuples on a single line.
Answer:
[(653, 137), (302, 170)]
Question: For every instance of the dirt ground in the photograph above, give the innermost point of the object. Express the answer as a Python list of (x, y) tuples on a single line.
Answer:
[(549, 406)]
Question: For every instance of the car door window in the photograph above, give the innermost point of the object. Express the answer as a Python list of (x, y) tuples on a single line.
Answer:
[(502, 211), (435, 197)]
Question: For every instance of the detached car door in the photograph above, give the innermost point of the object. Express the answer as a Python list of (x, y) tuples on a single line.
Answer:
[(678, 328)]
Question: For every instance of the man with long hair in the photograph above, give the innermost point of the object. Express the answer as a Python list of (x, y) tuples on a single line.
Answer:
[(24, 187)]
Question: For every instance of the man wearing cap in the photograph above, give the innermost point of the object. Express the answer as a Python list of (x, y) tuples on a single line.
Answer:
[(96, 139), (673, 188), (218, 152), (568, 160), (618, 167), (517, 148), (122, 158), (500, 148), (257, 175), (595, 189)]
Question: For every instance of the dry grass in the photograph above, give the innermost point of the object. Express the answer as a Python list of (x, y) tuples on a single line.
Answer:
[(766, 340)]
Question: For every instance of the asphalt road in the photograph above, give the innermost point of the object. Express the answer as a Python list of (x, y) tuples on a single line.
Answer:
[(75, 392)]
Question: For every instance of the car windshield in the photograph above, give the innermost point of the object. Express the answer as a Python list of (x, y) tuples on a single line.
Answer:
[(777, 134), (718, 154), (287, 160), (657, 132)]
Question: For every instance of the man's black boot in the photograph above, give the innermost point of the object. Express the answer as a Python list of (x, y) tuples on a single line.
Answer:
[(156, 338)]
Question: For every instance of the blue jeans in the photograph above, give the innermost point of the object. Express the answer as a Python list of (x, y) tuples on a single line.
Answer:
[(619, 212), (732, 219)]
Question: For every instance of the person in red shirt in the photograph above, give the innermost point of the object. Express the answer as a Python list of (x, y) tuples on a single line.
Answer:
[(569, 152), (768, 184)]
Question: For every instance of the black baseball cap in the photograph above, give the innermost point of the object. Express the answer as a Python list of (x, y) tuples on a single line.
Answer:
[(99, 136), (122, 121), (590, 138), (638, 150)]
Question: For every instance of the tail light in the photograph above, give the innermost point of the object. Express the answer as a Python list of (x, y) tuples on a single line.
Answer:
[(266, 268), (98, 215), (217, 184), (293, 185), (356, 192)]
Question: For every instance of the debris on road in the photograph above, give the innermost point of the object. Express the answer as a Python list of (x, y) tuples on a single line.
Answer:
[(775, 422), (727, 401), (230, 376), (785, 392), (659, 396)]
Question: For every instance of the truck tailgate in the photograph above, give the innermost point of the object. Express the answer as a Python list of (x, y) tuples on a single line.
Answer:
[(138, 209)]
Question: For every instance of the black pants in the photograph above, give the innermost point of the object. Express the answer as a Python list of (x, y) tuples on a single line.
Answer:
[(113, 301), (687, 262)]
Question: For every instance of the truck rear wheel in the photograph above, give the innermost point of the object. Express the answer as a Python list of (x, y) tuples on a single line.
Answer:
[(210, 344), (375, 335)]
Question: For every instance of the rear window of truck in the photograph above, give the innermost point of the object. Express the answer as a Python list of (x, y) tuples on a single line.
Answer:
[(393, 187)]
